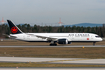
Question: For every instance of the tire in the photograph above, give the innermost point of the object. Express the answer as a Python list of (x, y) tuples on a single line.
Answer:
[(53, 44)]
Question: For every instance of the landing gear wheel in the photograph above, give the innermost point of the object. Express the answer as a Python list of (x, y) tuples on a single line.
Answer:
[(94, 43), (53, 44)]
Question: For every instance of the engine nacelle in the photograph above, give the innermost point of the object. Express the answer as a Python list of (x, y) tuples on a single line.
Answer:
[(63, 41)]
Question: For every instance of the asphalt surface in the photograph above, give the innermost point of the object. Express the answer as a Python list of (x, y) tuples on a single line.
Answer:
[(54, 60), (80, 68), (60, 46), (27, 59), (83, 62)]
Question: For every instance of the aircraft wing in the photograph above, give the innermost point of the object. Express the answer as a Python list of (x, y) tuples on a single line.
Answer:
[(45, 37)]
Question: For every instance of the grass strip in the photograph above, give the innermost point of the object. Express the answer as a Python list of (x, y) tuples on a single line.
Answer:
[(54, 52)]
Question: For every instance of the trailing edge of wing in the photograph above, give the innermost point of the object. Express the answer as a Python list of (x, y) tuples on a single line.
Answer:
[(44, 37)]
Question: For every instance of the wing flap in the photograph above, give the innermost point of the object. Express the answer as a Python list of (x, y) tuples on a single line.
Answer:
[(44, 37), (47, 37)]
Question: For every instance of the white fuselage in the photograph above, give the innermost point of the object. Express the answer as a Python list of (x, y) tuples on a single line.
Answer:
[(72, 37)]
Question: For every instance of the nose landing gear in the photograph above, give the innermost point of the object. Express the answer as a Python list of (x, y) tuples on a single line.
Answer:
[(94, 43)]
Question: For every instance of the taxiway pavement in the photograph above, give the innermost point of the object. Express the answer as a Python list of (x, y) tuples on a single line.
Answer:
[(54, 60), (27, 59), (80, 68), (60, 46)]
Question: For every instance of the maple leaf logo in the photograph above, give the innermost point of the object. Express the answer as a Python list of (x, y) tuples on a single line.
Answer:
[(87, 38), (14, 30)]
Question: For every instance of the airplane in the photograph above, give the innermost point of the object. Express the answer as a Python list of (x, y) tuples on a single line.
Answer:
[(53, 38)]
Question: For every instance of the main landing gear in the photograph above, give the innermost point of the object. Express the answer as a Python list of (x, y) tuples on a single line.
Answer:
[(94, 43), (53, 44)]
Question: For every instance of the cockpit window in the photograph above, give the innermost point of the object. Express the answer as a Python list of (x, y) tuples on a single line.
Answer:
[(97, 36)]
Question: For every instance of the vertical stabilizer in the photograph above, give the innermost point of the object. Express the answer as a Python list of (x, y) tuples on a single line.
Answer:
[(14, 29)]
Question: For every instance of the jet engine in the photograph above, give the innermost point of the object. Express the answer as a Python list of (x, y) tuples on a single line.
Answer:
[(63, 41)]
